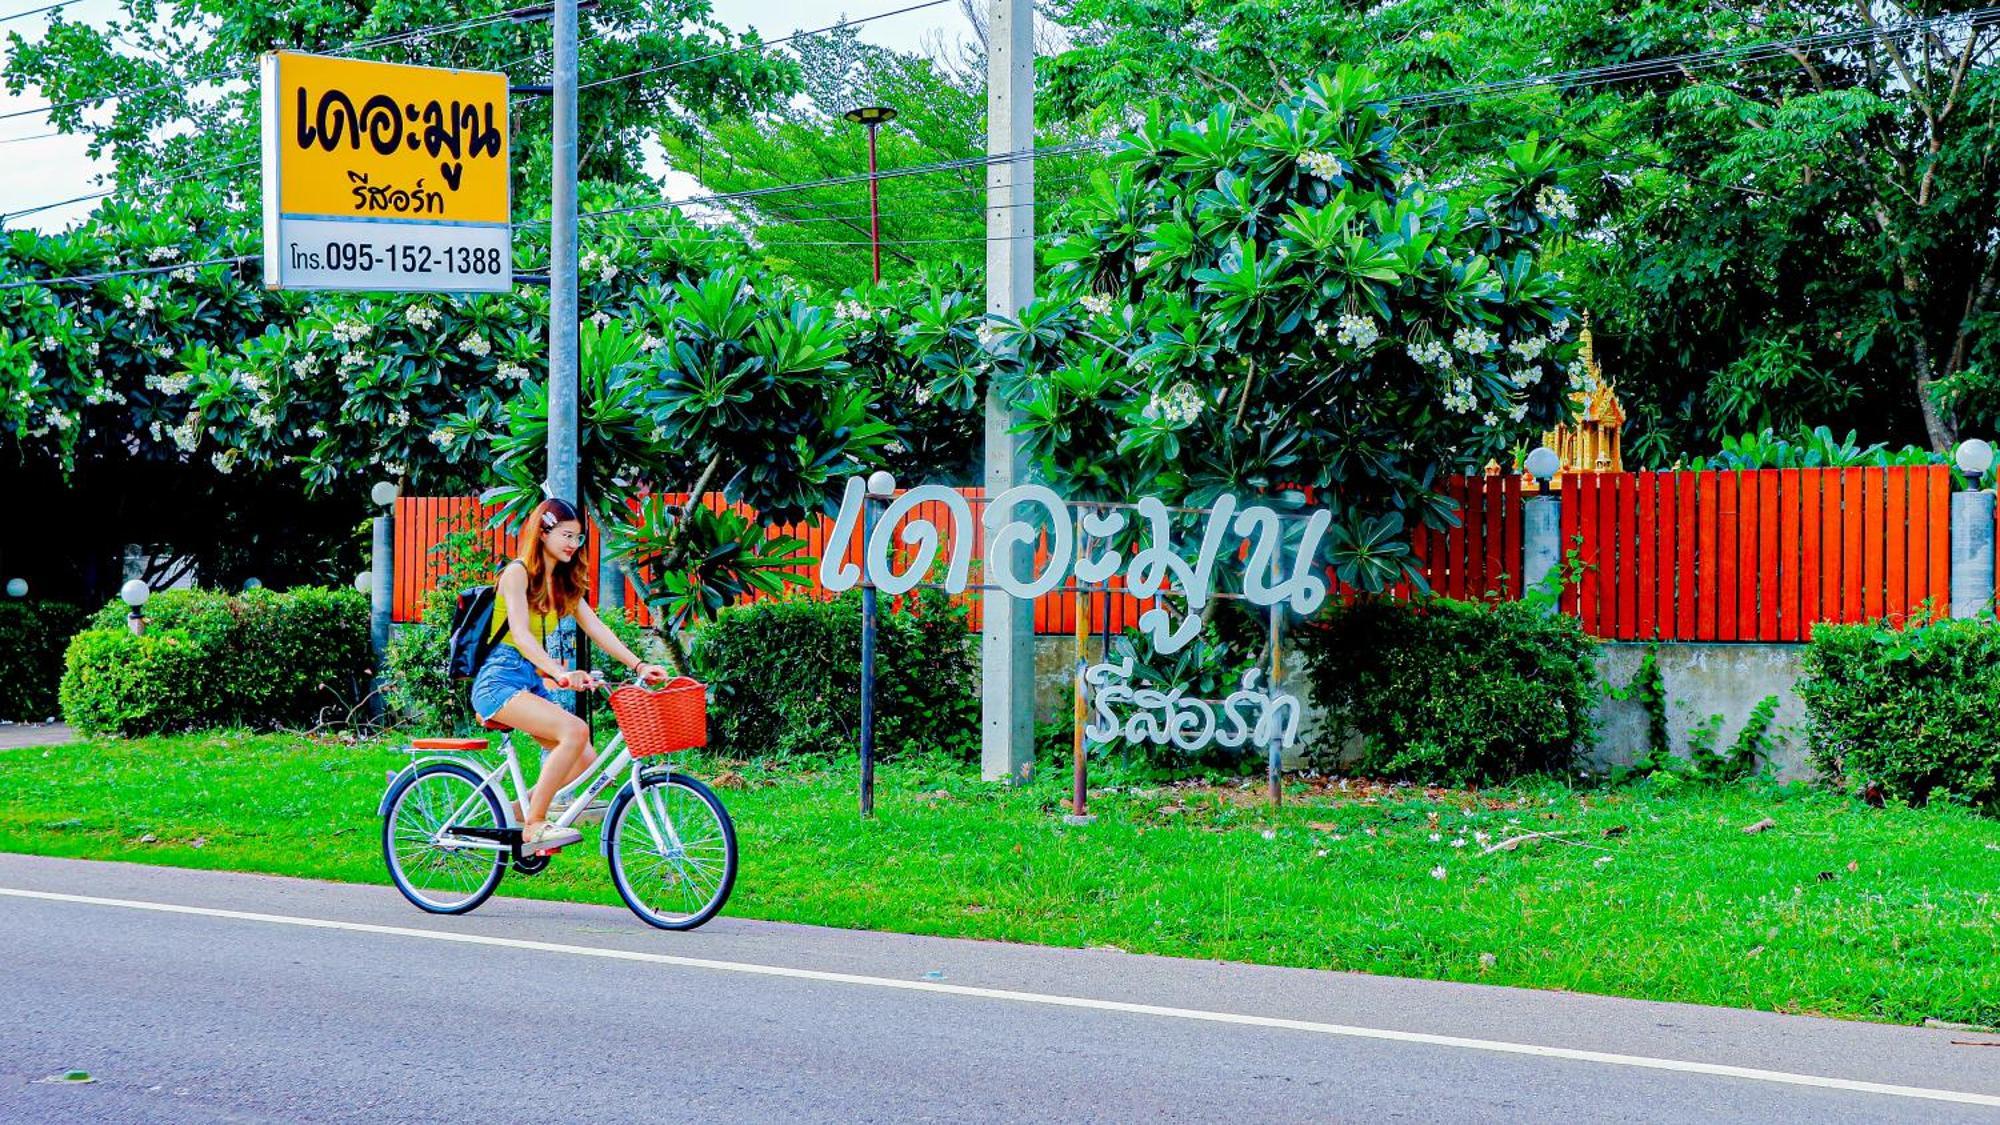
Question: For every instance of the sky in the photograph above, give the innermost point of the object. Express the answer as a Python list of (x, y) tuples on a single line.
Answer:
[(51, 168)]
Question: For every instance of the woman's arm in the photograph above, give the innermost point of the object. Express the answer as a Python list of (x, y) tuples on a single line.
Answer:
[(595, 628), (514, 595)]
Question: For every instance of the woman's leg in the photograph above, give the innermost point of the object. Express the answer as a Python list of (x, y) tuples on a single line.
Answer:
[(566, 737)]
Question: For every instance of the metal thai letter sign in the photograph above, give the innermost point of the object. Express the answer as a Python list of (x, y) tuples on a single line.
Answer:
[(1079, 547), (379, 176)]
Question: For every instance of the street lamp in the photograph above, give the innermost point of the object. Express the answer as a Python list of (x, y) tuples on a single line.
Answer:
[(134, 594), (1543, 465), (384, 493), (1974, 458), (873, 116)]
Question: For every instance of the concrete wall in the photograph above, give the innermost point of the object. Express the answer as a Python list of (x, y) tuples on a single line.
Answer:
[(1700, 680), (1703, 681)]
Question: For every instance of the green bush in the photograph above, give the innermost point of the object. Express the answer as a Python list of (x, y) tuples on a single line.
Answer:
[(34, 635), (1911, 709), (1452, 693), (785, 678), (262, 659), (116, 683)]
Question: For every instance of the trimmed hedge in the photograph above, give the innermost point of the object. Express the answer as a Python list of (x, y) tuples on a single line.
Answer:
[(262, 659), (1445, 692), (785, 678), (1910, 709), (34, 635)]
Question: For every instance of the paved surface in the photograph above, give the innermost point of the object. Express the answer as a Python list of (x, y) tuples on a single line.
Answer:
[(376, 1012), (14, 736)]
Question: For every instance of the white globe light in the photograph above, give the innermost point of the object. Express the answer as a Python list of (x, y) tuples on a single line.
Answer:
[(1975, 457), (364, 581), (17, 587), (881, 482), (252, 583), (135, 593), (384, 492), (1543, 464)]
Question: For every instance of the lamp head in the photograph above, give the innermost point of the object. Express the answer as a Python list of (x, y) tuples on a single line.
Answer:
[(870, 115), (1974, 457), (1543, 464), (135, 593), (384, 493)]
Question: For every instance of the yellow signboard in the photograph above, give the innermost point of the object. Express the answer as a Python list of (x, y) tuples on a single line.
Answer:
[(381, 176)]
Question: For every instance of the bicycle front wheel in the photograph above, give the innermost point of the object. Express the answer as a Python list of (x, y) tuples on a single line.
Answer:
[(434, 869), (672, 849)]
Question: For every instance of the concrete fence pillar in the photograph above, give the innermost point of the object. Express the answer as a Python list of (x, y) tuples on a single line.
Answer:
[(382, 587), (1541, 540), (1971, 552)]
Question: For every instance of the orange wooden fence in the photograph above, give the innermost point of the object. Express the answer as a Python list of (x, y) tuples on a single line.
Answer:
[(1710, 556), (1757, 555)]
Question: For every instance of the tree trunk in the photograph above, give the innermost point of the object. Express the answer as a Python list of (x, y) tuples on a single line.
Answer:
[(1938, 426)]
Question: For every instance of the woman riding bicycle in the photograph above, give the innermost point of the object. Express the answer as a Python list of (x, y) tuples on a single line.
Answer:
[(537, 590)]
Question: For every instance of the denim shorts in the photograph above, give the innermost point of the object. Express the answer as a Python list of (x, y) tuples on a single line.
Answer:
[(505, 674)]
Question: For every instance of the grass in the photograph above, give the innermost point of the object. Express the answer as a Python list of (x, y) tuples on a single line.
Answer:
[(1839, 910)]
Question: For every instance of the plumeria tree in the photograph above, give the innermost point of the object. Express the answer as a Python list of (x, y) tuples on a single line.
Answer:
[(1253, 303)]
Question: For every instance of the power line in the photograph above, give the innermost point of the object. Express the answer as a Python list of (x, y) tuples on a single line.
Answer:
[(1660, 66), (200, 174), (36, 11), (82, 278), (762, 44), (388, 40)]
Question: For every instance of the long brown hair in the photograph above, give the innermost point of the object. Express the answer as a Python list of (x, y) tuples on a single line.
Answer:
[(559, 587)]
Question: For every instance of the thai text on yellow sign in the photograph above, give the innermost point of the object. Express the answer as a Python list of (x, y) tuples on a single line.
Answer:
[(360, 139)]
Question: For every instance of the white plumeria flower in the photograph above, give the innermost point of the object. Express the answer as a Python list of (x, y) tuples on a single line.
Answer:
[(1321, 165), (1438, 872), (1357, 331), (1096, 303)]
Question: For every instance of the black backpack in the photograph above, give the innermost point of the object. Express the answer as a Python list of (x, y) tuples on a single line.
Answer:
[(472, 635)]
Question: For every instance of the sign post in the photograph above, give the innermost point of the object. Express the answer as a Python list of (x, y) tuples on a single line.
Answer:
[(383, 177)]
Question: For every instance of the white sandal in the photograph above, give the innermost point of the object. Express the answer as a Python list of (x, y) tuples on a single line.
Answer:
[(546, 837)]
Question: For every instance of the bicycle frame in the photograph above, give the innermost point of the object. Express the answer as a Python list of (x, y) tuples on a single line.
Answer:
[(615, 760)]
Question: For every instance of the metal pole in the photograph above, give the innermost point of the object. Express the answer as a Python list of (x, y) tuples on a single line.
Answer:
[(1007, 636), (874, 210), (1274, 746), (1080, 799), (868, 625)]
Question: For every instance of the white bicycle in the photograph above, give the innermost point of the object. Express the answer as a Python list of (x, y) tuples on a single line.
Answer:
[(450, 829)]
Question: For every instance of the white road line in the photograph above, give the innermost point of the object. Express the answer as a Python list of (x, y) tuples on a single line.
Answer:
[(1496, 1046)]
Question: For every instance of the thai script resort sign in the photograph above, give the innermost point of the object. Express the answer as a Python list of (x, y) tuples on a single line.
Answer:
[(379, 176), (903, 545)]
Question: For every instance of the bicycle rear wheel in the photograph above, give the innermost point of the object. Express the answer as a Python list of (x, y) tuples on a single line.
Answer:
[(672, 849), (436, 874)]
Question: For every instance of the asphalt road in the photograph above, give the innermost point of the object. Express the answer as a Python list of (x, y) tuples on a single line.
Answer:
[(201, 996)]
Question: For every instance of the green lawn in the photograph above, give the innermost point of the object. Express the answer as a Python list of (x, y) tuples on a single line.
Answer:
[(1839, 910)]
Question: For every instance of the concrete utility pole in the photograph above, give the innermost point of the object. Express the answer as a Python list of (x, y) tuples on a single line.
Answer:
[(1007, 640), (562, 265), (563, 341)]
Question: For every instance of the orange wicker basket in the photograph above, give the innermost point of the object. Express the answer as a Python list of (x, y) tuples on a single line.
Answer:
[(675, 717)]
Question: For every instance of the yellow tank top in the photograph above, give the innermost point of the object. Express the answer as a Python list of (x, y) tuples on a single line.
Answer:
[(539, 624)]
